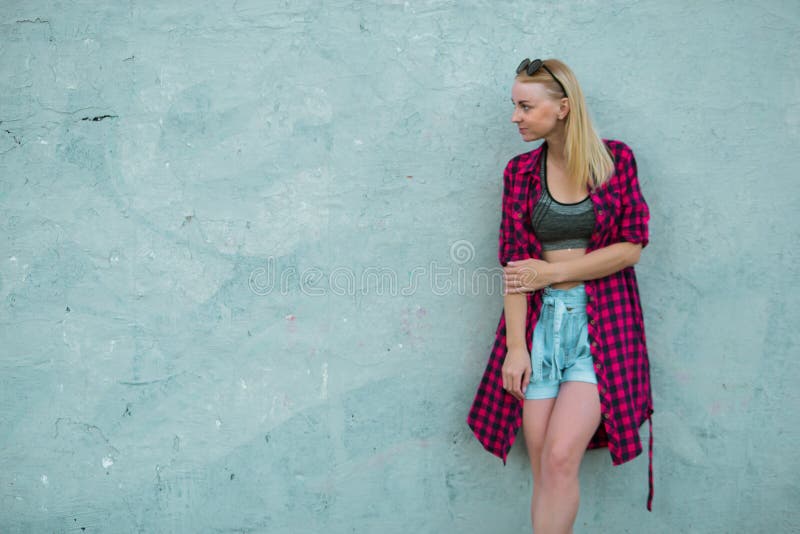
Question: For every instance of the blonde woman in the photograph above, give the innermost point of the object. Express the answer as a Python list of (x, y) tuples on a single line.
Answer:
[(570, 362)]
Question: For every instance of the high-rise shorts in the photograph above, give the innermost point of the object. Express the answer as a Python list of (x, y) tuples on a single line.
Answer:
[(560, 346)]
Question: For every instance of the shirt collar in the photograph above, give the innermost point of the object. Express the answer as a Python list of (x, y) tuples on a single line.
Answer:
[(533, 161)]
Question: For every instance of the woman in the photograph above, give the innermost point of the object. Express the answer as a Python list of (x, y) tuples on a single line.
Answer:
[(569, 362)]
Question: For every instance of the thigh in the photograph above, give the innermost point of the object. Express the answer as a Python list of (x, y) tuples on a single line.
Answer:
[(573, 421), (535, 419)]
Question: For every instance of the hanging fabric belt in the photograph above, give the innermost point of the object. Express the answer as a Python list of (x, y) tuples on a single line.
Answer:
[(559, 310)]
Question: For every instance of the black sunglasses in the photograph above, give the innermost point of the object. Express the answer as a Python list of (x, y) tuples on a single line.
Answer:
[(530, 67)]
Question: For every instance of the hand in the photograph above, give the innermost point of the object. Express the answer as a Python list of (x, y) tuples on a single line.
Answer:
[(524, 276), (517, 371)]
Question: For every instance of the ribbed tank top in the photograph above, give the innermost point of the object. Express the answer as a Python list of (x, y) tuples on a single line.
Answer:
[(560, 225)]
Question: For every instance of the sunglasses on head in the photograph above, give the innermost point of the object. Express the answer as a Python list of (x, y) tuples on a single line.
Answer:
[(531, 67)]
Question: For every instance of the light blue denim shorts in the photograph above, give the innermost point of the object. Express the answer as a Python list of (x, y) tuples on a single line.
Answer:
[(560, 349)]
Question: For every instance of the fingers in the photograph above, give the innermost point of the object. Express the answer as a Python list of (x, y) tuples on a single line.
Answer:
[(508, 381), (511, 284), (516, 382), (517, 392), (528, 278), (515, 290), (520, 384), (517, 270), (526, 379), (520, 278), (516, 373), (515, 389)]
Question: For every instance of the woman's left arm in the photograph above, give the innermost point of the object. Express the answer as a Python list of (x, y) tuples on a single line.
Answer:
[(598, 263), (531, 275)]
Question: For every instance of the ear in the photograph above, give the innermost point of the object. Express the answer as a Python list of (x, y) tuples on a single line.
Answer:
[(563, 109)]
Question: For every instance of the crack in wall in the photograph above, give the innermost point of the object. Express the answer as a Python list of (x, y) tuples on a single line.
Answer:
[(99, 118)]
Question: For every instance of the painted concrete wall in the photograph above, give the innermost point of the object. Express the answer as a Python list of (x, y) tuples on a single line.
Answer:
[(165, 165)]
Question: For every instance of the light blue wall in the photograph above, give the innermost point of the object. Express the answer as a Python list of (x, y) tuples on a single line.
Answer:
[(151, 379)]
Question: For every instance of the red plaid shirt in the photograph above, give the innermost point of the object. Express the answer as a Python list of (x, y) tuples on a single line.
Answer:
[(616, 325)]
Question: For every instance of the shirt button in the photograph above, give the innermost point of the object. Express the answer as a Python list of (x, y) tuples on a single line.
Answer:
[(592, 321), (606, 416), (594, 344), (598, 366), (602, 390)]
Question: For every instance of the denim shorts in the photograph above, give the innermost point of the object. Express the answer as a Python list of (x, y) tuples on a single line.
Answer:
[(560, 349)]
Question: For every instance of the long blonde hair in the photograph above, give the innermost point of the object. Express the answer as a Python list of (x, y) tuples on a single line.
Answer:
[(588, 158)]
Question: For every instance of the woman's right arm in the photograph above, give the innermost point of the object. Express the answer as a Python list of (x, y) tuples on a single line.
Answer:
[(516, 307), (517, 365)]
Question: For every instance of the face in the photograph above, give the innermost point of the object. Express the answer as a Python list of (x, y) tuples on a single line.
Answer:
[(535, 113)]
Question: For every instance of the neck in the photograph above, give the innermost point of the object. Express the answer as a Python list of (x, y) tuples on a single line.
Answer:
[(556, 142)]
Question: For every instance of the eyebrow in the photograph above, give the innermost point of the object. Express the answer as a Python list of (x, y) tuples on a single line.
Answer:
[(520, 102)]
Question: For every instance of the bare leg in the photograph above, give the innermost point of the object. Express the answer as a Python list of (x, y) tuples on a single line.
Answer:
[(535, 416), (572, 423)]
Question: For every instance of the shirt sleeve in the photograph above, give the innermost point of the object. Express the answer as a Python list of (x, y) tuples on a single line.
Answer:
[(635, 213), (512, 245)]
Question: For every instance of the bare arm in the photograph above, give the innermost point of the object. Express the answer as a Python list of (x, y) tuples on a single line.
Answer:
[(517, 364), (598, 263), (516, 308)]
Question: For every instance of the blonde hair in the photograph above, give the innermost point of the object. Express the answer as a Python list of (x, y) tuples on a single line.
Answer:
[(588, 158)]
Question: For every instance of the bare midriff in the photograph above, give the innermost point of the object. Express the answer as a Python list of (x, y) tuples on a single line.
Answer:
[(563, 255)]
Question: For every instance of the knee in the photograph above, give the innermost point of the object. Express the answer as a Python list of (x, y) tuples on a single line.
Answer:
[(535, 456), (558, 463), (534, 448)]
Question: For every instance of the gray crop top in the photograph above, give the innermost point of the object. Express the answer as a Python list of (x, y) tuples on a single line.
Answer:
[(559, 225)]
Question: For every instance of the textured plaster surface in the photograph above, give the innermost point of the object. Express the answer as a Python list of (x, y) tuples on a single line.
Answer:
[(238, 241)]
